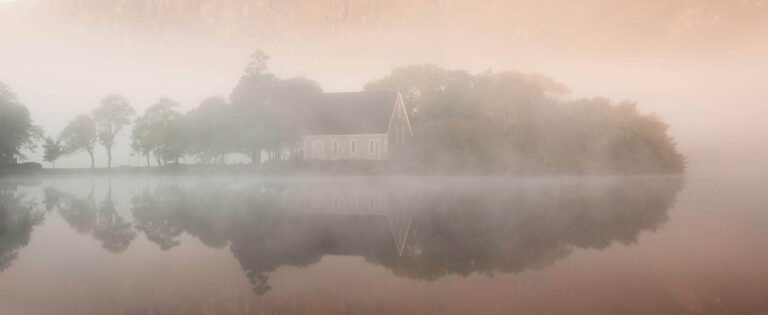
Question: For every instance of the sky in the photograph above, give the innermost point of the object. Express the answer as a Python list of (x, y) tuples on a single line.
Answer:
[(701, 65)]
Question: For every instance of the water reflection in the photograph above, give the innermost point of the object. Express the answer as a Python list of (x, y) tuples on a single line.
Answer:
[(86, 216), (427, 233), (18, 217), (418, 229)]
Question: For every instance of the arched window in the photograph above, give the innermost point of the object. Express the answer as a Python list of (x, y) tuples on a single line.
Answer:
[(335, 146), (354, 146), (370, 145)]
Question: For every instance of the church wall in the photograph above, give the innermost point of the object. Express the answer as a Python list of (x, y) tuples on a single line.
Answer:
[(345, 147)]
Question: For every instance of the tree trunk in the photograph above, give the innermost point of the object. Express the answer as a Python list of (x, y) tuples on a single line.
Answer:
[(148, 164), (109, 156), (93, 161)]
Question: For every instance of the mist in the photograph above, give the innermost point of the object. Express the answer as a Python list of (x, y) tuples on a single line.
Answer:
[(383, 156), (699, 65)]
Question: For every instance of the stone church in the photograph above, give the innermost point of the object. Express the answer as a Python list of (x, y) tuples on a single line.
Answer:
[(356, 126)]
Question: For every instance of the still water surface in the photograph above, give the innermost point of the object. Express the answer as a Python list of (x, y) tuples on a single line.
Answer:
[(242, 245)]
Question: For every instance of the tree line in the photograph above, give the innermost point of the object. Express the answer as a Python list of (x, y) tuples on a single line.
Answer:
[(463, 122), (524, 123)]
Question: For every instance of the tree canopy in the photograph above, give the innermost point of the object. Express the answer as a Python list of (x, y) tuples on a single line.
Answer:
[(491, 122), (269, 109), (80, 136), (160, 131), (17, 132), (52, 151), (524, 123), (111, 117)]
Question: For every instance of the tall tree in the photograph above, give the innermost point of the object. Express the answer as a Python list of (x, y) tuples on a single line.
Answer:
[(250, 98), (80, 135), (289, 112), (52, 151), (161, 131), (141, 140), (208, 125), (16, 129), (269, 109), (111, 117)]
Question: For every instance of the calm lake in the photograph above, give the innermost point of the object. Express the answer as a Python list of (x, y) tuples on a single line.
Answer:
[(356, 245)]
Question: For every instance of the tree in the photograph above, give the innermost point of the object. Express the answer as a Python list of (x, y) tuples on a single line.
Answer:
[(523, 123), (269, 109), (211, 130), (52, 151), (160, 131), (141, 141), (16, 129), (288, 112), (250, 98), (111, 117), (79, 135)]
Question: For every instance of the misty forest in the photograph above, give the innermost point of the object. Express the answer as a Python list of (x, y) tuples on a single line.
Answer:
[(489, 122)]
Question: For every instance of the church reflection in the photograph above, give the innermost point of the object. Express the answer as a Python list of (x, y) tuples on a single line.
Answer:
[(418, 229)]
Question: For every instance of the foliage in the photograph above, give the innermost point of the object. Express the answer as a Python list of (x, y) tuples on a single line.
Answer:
[(522, 123), (269, 109), (160, 131), (141, 142), (211, 131), (52, 150), (111, 117), (491, 122), (79, 136), (17, 132)]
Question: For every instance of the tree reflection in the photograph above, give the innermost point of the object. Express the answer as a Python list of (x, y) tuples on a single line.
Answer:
[(18, 217), (510, 230), (99, 220), (114, 233), (52, 198), (418, 230), (165, 213), (80, 213)]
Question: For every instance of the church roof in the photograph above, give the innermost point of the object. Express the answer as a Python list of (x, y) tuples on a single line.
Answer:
[(366, 112)]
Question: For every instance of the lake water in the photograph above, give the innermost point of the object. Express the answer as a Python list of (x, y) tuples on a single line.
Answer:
[(247, 245)]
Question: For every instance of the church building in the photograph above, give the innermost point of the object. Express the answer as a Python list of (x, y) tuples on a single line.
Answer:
[(356, 126)]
